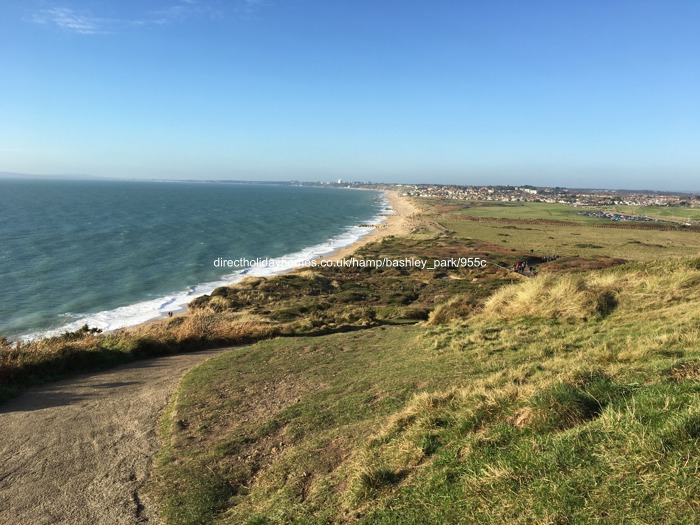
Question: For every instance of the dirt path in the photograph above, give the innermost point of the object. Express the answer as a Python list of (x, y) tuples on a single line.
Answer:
[(77, 451)]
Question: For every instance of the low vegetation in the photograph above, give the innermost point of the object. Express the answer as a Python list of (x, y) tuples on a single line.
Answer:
[(460, 395)]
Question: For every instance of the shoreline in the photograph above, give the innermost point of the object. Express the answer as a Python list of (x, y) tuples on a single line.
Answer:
[(397, 222), (400, 222)]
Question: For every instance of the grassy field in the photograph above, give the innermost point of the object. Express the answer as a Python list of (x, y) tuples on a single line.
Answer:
[(564, 212), (528, 226), (465, 396), (583, 241), (520, 210)]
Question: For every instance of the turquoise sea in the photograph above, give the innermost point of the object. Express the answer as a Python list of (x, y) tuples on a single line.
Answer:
[(118, 253)]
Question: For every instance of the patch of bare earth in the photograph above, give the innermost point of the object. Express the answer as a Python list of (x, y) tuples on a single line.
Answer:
[(78, 451), (239, 416)]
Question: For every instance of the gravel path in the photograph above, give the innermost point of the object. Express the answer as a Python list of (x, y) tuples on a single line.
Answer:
[(77, 451)]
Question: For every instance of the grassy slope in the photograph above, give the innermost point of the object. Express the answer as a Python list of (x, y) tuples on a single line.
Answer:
[(566, 399)]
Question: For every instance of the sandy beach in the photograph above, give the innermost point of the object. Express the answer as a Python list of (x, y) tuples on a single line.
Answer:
[(401, 222)]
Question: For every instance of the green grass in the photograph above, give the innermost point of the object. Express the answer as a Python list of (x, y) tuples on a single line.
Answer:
[(576, 412), (581, 241), (525, 227), (527, 211), (297, 396)]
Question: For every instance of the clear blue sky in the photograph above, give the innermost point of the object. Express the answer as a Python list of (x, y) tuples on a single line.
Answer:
[(598, 93)]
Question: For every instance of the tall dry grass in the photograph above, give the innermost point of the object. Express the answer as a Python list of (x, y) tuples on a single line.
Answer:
[(457, 308), (554, 296), (209, 325), (584, 295), (81, 351)]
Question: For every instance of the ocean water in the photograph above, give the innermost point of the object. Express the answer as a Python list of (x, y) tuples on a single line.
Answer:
[(118, 253)]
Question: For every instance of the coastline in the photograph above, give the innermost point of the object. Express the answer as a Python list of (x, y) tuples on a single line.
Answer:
[(401, 221), (398, 221)]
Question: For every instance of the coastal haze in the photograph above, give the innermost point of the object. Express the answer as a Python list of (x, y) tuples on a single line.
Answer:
[(600, 94)]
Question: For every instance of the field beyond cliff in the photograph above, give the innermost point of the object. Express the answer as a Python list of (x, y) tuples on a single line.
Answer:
[(460, 396)]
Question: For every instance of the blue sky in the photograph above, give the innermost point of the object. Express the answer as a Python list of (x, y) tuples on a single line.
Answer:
[(595, 93)]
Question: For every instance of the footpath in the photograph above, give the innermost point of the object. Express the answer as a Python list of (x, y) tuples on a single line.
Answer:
[(78, 451)]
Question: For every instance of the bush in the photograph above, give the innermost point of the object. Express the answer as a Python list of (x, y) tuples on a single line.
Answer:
[(456, 309)]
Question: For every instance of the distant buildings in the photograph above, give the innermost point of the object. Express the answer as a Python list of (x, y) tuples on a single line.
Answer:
[(572, 197), (527, 193)]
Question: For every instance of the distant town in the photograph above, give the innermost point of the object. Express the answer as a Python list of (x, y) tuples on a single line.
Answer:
[(526, 193)]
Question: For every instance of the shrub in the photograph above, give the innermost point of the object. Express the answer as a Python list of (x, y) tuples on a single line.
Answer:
[(553, 296), (458, 308)]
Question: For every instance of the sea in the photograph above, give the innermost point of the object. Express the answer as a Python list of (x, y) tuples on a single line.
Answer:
[(112, 254)]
